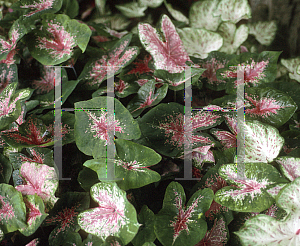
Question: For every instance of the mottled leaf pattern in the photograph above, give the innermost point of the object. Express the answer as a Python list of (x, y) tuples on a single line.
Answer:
[(40, 6), (264, 32), (290, 166), (292, 65)]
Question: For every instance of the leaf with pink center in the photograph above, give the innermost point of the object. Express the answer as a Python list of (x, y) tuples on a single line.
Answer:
[(167, 49), (54, 42), (266, 230), (165, 129), (147, 96), (12, 209), (177, 224), (258, 69), (289, 166), (132, 164), (35, 214), (64, 215), (292, 65), (92, 126), (8, 75), (39, 179), (262, 142), (217, 235), (248, 192), (34, 242), (37, 7), (113, 216), (119, 56)]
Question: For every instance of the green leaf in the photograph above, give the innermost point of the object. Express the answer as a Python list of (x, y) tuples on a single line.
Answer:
[(177, 225), (91, 127), (150, 3), (177, 15), (249, 191), (37, 7), (13, 210), (5, 169), (87, 178), (114, 215), (132, 9)]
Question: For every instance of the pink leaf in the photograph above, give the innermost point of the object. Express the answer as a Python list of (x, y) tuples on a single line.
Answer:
[(168, 51), (46, 82), (34, 242), (39, 179), (211, 68), (38, 6), (32, 211)]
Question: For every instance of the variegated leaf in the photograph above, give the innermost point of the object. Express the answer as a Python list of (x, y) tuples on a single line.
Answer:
[(12, 209), (233, 10), (114, 215), (177, 224), (8, 75), (266, 230), (54, 42), (289, 166), (167, 49), (264, 32), (200, 42), (292, 65), (177, 15), (151, 3), (232, 37), (248, 192), (202, 15), (39, 179), (37, 7), (132, 9), (35, 213)]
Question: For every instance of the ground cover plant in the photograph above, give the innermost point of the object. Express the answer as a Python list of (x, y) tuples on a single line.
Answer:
[(149, 45)]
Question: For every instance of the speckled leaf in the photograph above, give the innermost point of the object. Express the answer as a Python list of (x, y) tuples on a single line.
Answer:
[(92, 240), (262, 142), (146, 97), (132, 9), (91, 126), (5, 169), (177, 15), (249, 192), (114, 215), (292, 66), (64, 215), (167, 49), (12, 211), (39, 179), (151, 3), (258, 69), (177, 224), (8, 75), (200, 42), (35, 213), (164, 127), (146, 232), (232, 37), (233, 10), (289, 166), (120, 55), (131, 164), (38, 7), (264, 32), (55, 41), (34, 242), (266, 230), (202, 15)]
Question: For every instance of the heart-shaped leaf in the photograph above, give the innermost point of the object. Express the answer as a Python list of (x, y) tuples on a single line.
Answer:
[(292, 65), (177, 15), (264, 32), (91, 128), (249, 192), (289, 166), (177, 225), (38, 7), (200, 42), (132, 9), (54, 42), (167, 51), (13, 210), (265, 230), (114, 215)]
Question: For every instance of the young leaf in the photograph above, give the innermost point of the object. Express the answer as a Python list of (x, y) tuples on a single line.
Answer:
[(200, 42), (39, 179), (249, 192), (12, 209), (114, 215), (167, 51), (177, 225), (233, 10), (91, 128), (35, 214), (265, 230), (202, 15)]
